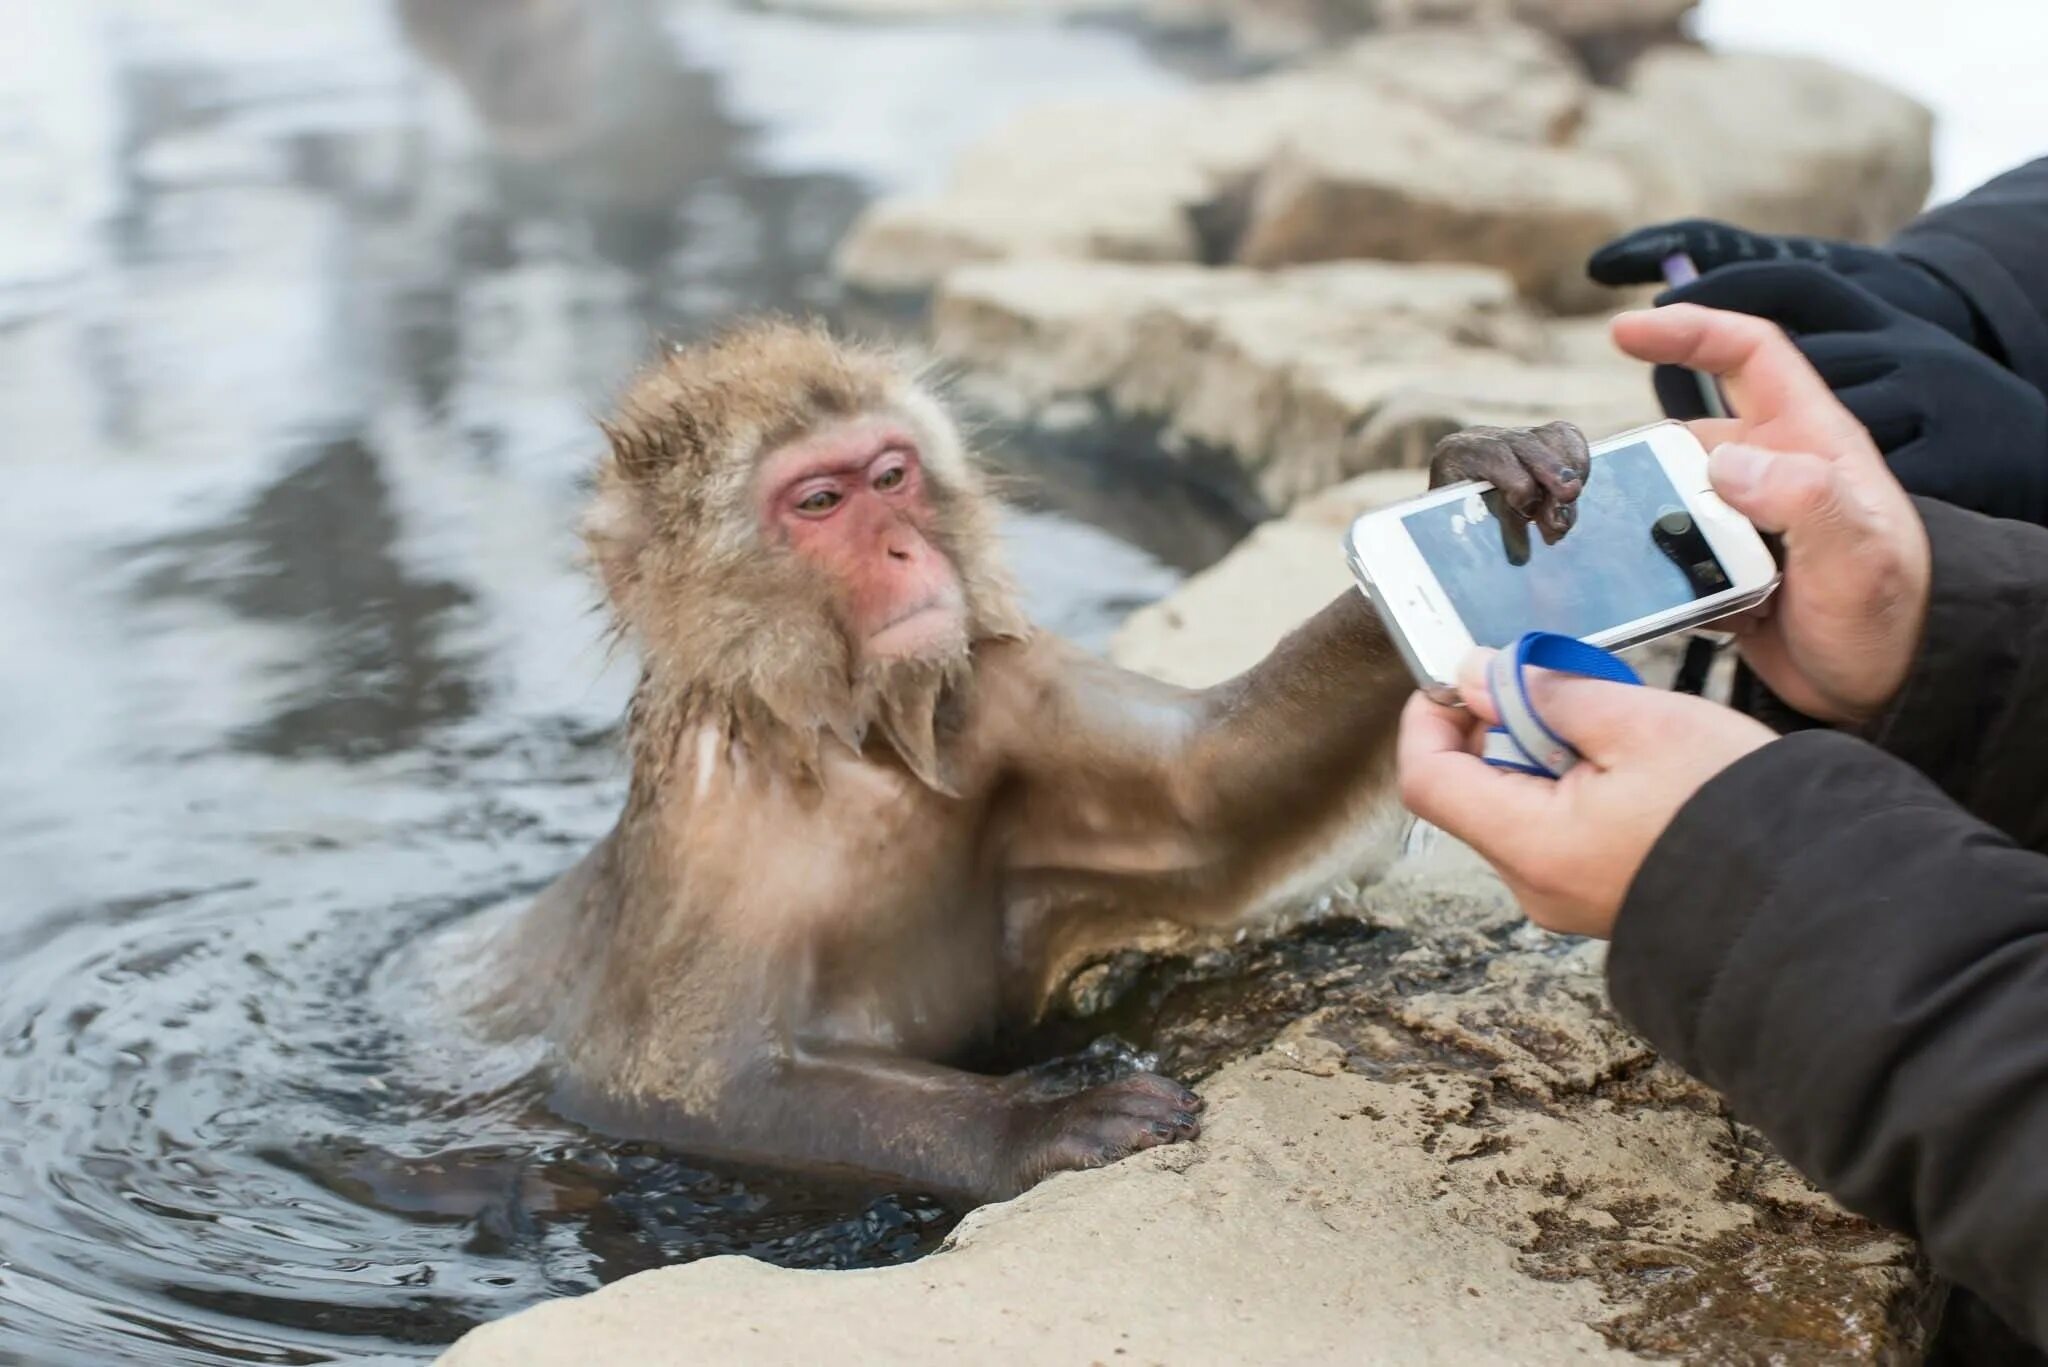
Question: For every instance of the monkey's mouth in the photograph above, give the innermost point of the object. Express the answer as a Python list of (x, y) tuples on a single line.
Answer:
[(932, 627)]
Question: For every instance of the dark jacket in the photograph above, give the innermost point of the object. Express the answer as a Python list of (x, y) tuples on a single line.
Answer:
[(1991, 246), (1864, 971)]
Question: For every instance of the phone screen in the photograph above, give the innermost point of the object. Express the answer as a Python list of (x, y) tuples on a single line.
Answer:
[(1633, 552)]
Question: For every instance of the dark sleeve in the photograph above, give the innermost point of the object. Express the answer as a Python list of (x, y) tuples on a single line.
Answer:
[(1992, 246), (1862, 970), (1973, 715)]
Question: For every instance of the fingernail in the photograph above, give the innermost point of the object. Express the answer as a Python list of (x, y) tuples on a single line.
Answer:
[(1737, 469)]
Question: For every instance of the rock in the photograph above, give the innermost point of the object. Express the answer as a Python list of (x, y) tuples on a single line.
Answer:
[(1605, 30), (1164, 180), (1106, 179), (1422, 189), (1483, 145), (1304, 376), (890, 10), (1224, 620), (1583, 19), (1485, 1170), (1502, 80), (1777, 144)]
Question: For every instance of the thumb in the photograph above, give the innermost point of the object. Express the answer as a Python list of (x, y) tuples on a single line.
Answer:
[(1804, 497), (1603, 721)]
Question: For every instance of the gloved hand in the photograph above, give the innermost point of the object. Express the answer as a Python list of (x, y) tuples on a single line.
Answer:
[(1637, 258), (1953, 423)]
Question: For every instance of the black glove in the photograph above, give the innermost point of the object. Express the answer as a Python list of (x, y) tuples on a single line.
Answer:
[(1953, 424), (1637, 258)]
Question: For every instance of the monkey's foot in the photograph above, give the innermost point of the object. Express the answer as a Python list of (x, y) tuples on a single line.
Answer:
[(1103, 1124), (1539, 471)]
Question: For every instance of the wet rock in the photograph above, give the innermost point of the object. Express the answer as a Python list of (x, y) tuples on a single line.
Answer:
[(1304, 376), (1448, 1161), (1778, 144)]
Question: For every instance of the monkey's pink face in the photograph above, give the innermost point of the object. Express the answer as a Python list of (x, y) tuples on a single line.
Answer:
[(851, 500)]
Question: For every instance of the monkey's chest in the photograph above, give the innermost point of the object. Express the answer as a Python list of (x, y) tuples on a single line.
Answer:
[(872, 904)]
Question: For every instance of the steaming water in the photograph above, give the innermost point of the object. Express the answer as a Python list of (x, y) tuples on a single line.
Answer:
[(303, 309)]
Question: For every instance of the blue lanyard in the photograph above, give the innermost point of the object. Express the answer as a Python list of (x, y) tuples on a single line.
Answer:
[(1522, 742)]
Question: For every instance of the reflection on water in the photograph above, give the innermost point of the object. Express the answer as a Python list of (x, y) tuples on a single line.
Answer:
[(303, 313), (315, 550)]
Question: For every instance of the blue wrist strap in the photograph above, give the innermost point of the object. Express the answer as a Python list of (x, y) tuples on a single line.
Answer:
[(1522, 742)]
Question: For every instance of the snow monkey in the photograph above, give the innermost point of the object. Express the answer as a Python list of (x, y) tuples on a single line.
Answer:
[(872, 810)]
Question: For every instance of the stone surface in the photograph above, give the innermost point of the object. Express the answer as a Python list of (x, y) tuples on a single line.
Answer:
[(1224, 620), (1503, 80), (1161, 180), (1778, 144), (1483, 144), (1292, 28), (1449, 1154), (1104, 179), (1422, 189), (1304, 376), (890, 10)]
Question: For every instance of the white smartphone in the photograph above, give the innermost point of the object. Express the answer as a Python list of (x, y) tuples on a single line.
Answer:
[(1653, 551)]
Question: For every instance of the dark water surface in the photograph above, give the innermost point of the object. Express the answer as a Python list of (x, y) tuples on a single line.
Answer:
[(303, 312)]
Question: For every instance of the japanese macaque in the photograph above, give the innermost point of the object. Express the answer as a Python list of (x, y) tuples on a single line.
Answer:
[(872, 809)]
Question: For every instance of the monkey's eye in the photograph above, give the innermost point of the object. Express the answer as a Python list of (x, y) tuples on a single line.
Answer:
[(818, 502), (892, 478)]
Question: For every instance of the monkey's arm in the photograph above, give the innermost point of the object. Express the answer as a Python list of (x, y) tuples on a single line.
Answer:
[(937, 1128), (1194, 804), (1190, 803)]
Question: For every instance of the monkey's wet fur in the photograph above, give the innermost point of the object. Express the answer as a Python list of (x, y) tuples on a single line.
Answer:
[(875, 815)]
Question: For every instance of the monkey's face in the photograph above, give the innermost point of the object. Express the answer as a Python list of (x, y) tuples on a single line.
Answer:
[(852, 501)]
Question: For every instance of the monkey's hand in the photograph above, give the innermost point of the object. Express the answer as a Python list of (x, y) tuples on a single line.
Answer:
[(1539, 471), (1098, 1126)]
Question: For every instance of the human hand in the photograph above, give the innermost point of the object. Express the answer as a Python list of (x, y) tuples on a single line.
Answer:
[(1839, 636), (1568, 848), (1952, 423), (1637, 258)]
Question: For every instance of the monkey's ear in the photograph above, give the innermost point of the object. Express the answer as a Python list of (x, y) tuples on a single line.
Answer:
[(615, 530)]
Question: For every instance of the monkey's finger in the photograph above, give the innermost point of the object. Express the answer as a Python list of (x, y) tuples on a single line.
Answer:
[(1487, 453), (1557, 455), (1165, 1088)]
